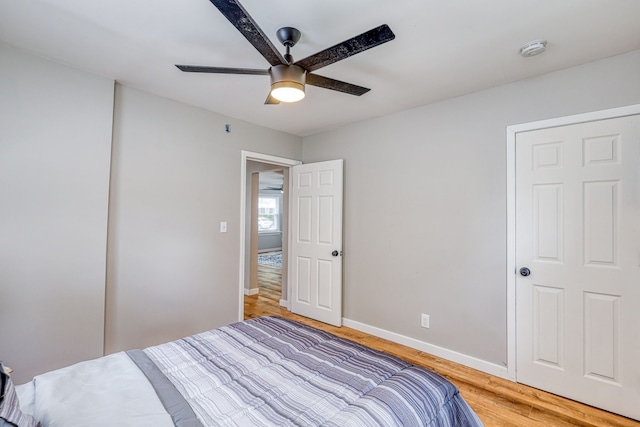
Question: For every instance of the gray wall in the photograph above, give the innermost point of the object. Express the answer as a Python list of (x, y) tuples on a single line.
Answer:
[(425, 216), (175, 177), (127, 186), (55, 150), (270, 242), (425, 203)]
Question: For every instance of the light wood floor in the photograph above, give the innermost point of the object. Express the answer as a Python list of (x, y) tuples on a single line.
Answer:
[(497, 402)]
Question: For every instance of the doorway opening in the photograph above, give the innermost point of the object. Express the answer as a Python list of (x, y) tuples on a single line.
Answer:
[(272, 218), (268, 229)]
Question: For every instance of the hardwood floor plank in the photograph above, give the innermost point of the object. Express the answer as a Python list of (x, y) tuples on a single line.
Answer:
[(498, 402)]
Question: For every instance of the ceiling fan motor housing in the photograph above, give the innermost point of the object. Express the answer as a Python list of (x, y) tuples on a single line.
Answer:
[(289, 75)]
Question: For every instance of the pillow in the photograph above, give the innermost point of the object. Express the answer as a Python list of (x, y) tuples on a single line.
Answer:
[(10, 413)]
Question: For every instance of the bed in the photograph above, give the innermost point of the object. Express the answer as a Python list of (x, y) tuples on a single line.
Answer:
[(264, 371)]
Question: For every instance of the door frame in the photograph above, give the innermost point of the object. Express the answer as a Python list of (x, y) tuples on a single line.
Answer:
[(512, 132), (262, 158)]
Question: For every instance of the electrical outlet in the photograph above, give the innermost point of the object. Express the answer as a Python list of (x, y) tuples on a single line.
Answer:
[(424, 320)]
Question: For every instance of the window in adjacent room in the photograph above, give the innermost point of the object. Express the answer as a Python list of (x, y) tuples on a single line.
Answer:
[(268, 214)]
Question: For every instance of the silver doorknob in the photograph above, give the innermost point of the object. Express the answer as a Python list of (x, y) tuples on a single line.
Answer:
[(524, 271)]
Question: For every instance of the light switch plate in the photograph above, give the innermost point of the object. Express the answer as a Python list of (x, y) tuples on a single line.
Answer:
[(223, 227), (424, 320)]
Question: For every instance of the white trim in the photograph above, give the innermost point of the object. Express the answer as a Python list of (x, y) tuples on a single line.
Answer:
[(511, 253), (256, 157), (511, 208), (250, 292), (284, 303), (577, 118), (454, 356)]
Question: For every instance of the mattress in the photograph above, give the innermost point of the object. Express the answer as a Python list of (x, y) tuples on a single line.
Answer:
[(268, 371)]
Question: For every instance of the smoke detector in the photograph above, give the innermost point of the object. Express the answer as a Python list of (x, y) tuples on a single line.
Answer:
[(533, 48)]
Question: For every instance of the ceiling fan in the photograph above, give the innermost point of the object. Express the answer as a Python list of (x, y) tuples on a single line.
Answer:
[(288, 78)]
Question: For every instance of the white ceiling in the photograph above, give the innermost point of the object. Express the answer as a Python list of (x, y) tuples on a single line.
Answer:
[(443, 48)]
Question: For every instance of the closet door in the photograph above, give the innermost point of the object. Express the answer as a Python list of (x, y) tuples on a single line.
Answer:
[(578, 255)]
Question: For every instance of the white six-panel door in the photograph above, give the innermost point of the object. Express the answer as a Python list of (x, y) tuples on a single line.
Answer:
[(315, 266), (578, 231)]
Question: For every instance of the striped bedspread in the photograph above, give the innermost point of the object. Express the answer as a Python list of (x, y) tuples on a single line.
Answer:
[(274, 371)]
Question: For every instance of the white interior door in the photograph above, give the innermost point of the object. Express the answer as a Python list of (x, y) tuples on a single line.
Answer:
[(315, 268), (578, 232)]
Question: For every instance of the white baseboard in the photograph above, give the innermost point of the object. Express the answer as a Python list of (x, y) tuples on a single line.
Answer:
[(284, 303), (454, 356), (251, 291)]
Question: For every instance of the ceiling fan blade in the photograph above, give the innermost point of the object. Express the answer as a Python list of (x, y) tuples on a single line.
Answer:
[(221, 70), (347, 48), (327, 83), (235, 13), (271, 100)]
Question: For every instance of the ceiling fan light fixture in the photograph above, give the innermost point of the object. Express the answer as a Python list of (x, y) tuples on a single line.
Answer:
[(287, 82), (287, 91)]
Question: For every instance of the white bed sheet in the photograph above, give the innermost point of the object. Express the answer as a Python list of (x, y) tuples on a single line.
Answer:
[(110, 391)]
